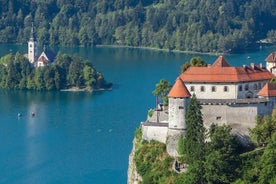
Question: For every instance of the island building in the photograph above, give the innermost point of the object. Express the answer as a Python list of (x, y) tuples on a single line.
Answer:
[(228, 95), (47, 57)]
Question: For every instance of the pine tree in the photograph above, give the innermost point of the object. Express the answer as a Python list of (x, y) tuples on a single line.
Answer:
[(194, 140)]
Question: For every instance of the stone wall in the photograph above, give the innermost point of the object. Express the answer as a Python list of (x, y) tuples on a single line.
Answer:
[(154, 132), (177, 110), (241, 117)]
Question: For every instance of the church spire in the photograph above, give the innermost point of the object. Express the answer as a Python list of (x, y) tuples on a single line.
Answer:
[(32, 46)]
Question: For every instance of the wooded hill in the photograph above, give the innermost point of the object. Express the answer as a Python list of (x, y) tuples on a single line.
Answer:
[(187, 25)]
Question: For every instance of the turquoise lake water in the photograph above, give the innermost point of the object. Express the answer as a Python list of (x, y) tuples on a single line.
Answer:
[(82, 137)]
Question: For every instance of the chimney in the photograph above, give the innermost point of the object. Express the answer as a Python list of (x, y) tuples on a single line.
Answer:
[(244, 66), (261, 65), (209, 65), (252, 66)]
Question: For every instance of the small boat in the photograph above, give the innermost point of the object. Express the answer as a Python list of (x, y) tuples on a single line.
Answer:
[(32, 114), (19, 115)]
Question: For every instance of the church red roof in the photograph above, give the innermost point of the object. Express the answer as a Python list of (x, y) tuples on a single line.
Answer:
[(179, 90), (268, 90), (221, 71), (271, 57)]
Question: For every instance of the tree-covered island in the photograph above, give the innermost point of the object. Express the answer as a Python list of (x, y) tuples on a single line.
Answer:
[(67, 72)]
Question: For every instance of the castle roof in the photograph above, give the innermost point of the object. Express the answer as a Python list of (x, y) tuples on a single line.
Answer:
[(222, 72), (271, 57), (179, 90), (220, 62), (268, 90)]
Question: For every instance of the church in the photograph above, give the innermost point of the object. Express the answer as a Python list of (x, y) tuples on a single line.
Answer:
[(229, 95), (47, 57)]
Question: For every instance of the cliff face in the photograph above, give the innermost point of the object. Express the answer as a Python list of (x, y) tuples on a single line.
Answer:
[(133, 176)]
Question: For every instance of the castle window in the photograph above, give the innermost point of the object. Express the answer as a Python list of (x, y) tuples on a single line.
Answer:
[(240, 87), (213, 89), (255, 86), (31, 45), (259, 85), (246, 87), (225, 89), (180, 107), (192, 88), (202, 88), (218, 118)]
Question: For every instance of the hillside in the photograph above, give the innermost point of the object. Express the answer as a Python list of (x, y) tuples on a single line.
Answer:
[(186, 25)]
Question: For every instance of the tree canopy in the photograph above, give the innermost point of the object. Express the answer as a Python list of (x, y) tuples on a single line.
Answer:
[(17, 73), (162, 89), (186, 25)]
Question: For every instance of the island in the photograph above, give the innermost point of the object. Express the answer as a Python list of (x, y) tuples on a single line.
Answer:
[(65, 73)]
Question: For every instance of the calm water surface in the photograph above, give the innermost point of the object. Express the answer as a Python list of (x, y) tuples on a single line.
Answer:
[(80, 137)]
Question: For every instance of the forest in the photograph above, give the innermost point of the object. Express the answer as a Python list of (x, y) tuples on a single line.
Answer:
[(16, 72), (185, 25)]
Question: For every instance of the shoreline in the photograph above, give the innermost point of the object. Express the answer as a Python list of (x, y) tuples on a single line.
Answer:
[(163, 50), (85, 89)]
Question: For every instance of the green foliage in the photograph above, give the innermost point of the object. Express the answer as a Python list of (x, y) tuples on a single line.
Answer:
[(138, 134), (180, 148), (153, 163), (195, 61), (17, 73), (194, 141), (162, 89), (264, 129), (203, 26), (268, 162), (150, 112), (222, 160)]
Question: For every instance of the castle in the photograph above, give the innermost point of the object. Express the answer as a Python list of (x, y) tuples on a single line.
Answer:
[(227, 95), (46, 57)]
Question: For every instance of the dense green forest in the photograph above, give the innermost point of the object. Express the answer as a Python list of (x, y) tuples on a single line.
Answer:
[(186, 25), (16, 72), (222, 159)]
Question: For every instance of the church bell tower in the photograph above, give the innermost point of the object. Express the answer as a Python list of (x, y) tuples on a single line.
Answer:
[(32, 47)]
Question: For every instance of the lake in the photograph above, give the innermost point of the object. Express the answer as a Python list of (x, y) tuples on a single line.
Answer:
[(83, 137)]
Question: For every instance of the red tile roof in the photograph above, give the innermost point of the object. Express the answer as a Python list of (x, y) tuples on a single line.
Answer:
[(268, 90), (43, 59), (179, 90), (271, 57), (221, 71), (220, 62)]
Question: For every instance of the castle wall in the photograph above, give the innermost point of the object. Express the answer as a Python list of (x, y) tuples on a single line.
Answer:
[(240, 117), (158, 133), (172, 141), (226, 90), (177, 110)]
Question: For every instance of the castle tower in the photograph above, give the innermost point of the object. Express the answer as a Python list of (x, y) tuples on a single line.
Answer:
[(32, 47), (178, 102), (271, 63)]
